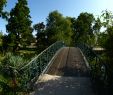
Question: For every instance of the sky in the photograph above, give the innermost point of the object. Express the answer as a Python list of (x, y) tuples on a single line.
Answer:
[(39, 9)]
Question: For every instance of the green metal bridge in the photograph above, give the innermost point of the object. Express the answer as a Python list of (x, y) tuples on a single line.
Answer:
[(61, 70)]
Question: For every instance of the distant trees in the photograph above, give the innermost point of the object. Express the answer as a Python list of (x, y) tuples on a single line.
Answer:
[(68, 29), (105, 37), (108, 39), (40, 36), (58, 28), (19, 25), (96, 29), (83, 27), (107, 18)]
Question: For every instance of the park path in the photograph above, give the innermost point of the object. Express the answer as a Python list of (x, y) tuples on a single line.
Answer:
[(68, 75)]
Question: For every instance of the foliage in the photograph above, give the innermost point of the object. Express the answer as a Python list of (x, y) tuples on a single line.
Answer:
[(19, 25), (109, 42), (83, 27), (58, 28), (5, 41), (97, 25), (41, 36), (2, 3), (73, 21), (2, 13), (96, 28), (107, 18), (1, 35), (106, 40), (9, 75), (108, 34), (102, 39)]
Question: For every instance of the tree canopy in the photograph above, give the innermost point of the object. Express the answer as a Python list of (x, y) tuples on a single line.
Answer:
[(83, 27), (58, 28), (3, 13), (19, 25), (40, 36), (2, 4)]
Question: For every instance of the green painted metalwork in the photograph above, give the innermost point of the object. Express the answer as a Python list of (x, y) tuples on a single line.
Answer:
[(35, 67), (97, 66)]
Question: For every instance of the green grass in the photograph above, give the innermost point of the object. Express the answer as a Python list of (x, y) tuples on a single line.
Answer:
[(26, 54)]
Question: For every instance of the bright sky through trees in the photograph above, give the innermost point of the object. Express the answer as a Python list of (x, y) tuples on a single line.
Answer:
[(41, 8)]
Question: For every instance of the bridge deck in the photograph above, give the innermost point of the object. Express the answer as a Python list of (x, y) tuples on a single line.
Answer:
[(68, 75), (69, 62)]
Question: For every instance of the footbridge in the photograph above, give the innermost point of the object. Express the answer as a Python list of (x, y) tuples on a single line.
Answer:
[(62, 70)]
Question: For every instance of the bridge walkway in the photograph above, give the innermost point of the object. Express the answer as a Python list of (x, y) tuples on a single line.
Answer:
[(67, 75)]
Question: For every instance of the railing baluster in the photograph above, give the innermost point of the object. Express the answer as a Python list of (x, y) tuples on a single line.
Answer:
[(34, 68), (98, 67)]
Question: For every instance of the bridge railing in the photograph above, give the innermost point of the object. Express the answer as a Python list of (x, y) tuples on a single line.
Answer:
[(97, 66), (34, 68)]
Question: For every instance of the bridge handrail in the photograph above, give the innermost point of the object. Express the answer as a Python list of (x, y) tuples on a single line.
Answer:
[(99, 67), (31, 71), (39, 55)]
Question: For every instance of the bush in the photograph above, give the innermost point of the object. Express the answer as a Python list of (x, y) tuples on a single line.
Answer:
[(9, 75)]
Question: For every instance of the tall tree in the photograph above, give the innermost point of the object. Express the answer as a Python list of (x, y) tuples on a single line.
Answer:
[(3, 13), (2, 3), (19, 25), (106, 40), (58, 28), (108, 24), (39, 28), (40, 36), (107, 18), (83, 27), (73, 22), (96, 28)]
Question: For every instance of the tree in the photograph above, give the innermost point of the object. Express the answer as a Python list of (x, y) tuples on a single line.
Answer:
[(74, 33), (96, 27), (40, 36), (106, 41), (108, 24), (39, 27), (52, 26), (109, 41), (58, 28), (83, 27), (107, 18), (2, 3), (3, 14), (19, 25), (5, 41), (1, 35)]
